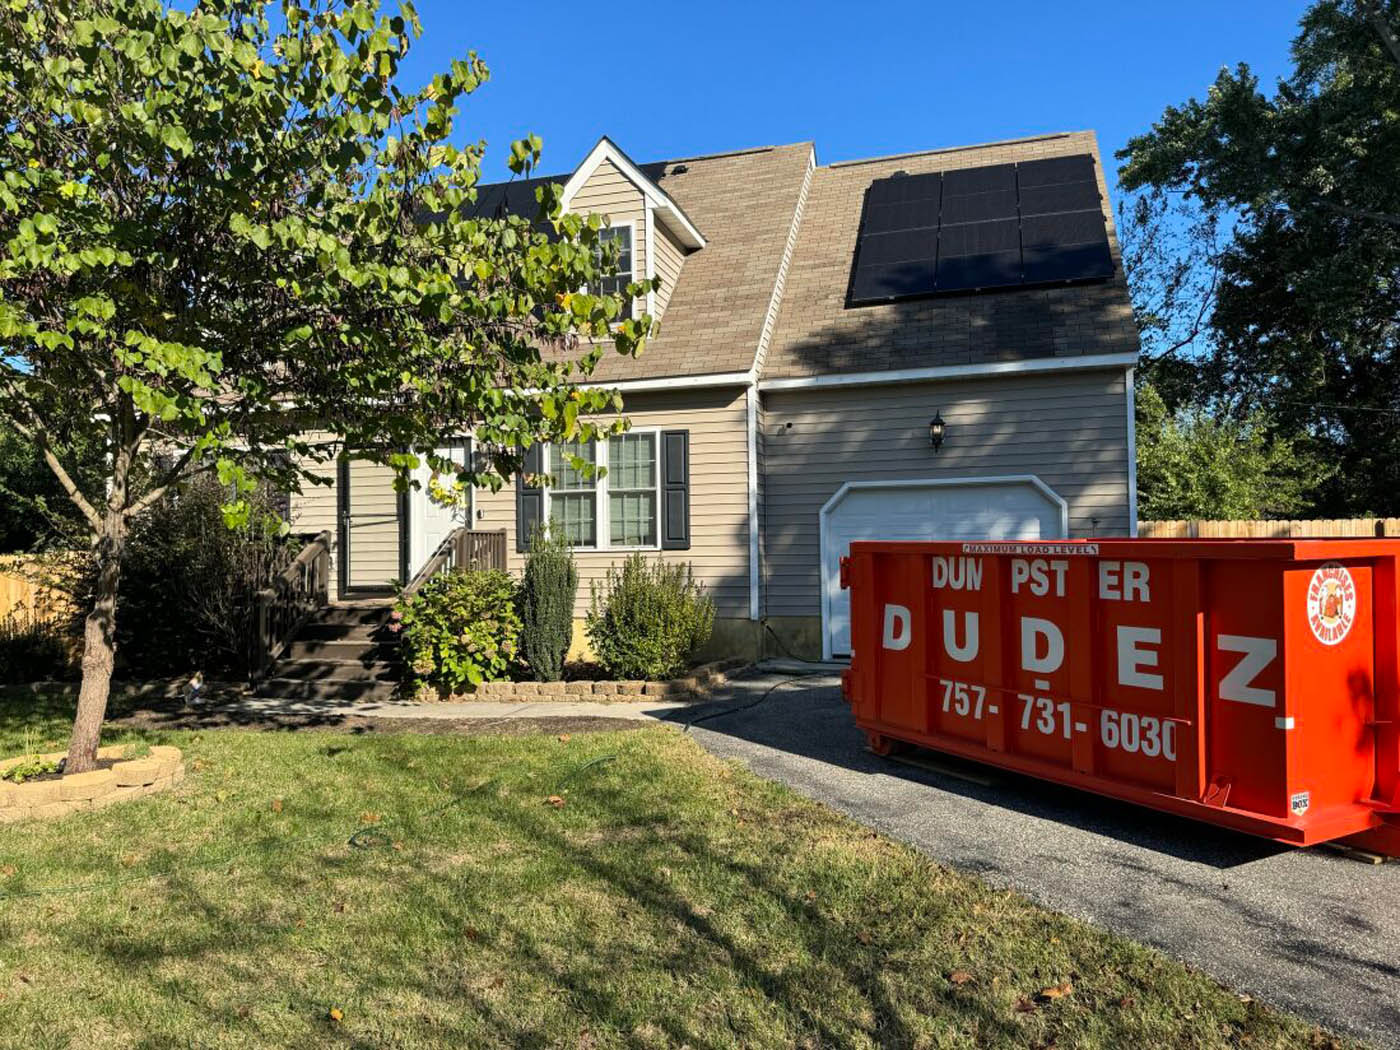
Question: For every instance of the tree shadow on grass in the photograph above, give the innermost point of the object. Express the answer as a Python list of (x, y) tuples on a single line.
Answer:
[(244, 932)]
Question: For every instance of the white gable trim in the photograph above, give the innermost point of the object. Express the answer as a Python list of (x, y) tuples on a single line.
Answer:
[(667, 209), (991, 368)]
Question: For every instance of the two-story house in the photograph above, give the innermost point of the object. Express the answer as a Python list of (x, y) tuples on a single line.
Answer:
[(932, 345)]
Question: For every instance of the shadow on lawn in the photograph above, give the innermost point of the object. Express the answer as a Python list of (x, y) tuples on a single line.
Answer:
[(484, 926)]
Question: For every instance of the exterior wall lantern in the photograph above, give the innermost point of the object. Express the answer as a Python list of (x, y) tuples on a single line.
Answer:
[(935, 431)]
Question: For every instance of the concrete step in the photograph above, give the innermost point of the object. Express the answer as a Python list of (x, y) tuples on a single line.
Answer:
[(364, 648), (298, 689), (336, 671)]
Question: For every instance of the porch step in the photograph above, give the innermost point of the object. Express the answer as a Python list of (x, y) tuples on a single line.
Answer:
[(361, 647), (364, 633), (344, 652), (357, 613), (337, 670), (331, 691)]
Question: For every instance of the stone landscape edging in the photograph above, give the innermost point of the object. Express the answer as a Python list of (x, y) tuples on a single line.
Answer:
[(698, 684), (124, 780)]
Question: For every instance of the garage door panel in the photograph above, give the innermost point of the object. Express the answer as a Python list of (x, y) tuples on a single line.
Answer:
[(994, 509)]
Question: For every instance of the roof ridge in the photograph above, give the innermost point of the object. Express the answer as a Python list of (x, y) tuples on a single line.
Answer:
[(730, 153), (954, 149)]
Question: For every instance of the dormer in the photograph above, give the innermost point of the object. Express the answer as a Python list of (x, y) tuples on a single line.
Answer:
[(655, 234)]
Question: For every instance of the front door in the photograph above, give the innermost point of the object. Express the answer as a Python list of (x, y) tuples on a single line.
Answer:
[(439, 520), (371, 529)]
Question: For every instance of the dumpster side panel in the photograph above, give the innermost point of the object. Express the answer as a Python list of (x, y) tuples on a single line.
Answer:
[(1209, 679), (1135, 730), (1246, 763)]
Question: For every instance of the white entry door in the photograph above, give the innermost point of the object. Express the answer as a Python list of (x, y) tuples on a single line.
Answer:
[(1009, 508), (434, 521)]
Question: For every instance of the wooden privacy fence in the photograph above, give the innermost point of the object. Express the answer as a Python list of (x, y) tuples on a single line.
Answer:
[(33, 585), (1257, 530)]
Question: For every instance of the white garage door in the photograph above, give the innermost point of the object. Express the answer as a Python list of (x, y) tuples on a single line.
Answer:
[(1010, 508)]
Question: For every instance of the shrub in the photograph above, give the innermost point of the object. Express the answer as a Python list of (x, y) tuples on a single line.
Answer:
[(460, 629), (32, 649), (649, 619), (189, 582), (547, 593)]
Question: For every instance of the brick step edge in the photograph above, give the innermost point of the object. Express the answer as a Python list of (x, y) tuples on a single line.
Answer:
[(697, 685)]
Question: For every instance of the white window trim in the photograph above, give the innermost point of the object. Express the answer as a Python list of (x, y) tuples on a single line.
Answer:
[(631, 225), (601, 489)]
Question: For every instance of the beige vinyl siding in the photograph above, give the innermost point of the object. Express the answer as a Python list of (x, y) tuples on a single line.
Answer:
[(669, 258), (374, 538), (609, 192), (374, 526), (719, 533), (1068, 430), (313, 509)]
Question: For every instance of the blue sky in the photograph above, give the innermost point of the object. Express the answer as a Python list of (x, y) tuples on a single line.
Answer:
[(861, 79)]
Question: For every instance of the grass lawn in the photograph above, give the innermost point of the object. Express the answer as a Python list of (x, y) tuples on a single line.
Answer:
[(670, 900)]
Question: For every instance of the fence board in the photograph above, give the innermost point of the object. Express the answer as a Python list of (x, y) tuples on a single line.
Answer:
[(1283, 529), (30, 585)]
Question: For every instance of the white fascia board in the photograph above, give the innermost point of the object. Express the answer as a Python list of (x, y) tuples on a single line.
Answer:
[(669, 211), (935, 372), (650, 240), (676, 382)]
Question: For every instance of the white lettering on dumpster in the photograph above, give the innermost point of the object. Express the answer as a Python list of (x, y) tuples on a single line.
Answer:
[(1123, 581), (897, 632), (1037, 574), (967, 652), (1132, 658), (1033, 630), (1238, 684), (957, 574)]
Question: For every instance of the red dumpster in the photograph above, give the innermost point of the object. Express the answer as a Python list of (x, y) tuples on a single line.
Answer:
[(1250, 683)]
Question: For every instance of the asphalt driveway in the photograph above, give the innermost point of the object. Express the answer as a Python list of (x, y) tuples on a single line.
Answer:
[(1308, 930)]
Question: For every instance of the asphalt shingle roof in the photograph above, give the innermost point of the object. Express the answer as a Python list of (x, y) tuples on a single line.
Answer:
[(744, 204), (817, 333)]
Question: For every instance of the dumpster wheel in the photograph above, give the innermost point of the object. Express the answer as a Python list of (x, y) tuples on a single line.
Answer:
[(885, 746)]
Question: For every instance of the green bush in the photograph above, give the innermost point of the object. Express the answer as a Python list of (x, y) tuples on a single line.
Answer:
[(648, 619), (460, 629), (32, 650), (547, 593), (189, 583)]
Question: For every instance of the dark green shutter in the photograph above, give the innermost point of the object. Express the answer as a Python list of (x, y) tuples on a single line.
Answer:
[(529, 499), (675, 490)]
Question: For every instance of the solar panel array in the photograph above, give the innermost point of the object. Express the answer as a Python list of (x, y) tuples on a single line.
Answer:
[(1005, 225)]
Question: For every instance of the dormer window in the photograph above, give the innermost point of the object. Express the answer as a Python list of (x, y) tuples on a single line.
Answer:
[(616, 283)]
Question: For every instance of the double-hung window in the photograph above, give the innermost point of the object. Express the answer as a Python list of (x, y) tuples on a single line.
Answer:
[(617, 281), (619, 509)]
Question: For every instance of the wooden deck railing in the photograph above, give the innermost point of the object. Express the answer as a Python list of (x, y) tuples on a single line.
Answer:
[(462, 550), (296, 592)]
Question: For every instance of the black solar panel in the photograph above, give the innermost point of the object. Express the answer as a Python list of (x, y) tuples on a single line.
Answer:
[(1002, 225)]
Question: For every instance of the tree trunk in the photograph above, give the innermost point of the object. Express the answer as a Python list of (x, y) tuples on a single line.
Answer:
[(99, 647)]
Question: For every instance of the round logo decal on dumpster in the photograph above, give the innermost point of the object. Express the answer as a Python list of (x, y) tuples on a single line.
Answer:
[(1331, 603)]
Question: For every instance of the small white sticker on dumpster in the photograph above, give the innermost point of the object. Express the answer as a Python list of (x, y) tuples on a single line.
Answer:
[(1300, 802)]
